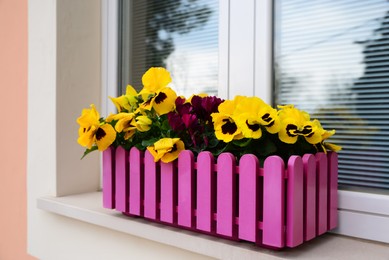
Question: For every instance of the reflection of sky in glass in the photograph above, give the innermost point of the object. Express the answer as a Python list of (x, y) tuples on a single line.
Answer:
[(318, 46), (194, 62)]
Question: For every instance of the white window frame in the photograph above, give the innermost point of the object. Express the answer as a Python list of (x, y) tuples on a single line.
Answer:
[(245, 58)]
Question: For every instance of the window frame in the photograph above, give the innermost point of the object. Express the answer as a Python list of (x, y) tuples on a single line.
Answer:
[(246, 68)]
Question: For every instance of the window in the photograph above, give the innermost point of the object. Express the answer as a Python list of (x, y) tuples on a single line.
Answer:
[(331, 60), (179, 35), (245, 66)]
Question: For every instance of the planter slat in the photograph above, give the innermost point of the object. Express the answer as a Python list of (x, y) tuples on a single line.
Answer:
[(167, 192), (309, 162), (109, 178), (322, 194), (294, 202), (136, 185), (333, 190), (185, 188), (205, 200), (150, 187), (121, 180), (225, 195), (248, 172), (274, 202)]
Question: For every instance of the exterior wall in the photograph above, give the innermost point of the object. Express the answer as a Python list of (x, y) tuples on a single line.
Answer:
[(64, 76), (13, 104)]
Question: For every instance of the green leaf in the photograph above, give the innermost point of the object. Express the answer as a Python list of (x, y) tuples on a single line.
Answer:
[(149, 142), (87, 151), (243, 142), (268, 147)]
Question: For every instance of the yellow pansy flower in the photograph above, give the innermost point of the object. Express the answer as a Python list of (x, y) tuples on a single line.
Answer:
[(155, 79), (127, 102), (295, 123), (121, 103), (269, 119), (166, 149), (86, 136), (163, 102), (143, 123), (105, 136), (224, 123), (252, 113), (92, 132), (89, 117), (126, 123), (249, 125)]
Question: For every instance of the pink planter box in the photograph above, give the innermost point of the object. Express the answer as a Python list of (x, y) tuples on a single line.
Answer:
[(274, 206)]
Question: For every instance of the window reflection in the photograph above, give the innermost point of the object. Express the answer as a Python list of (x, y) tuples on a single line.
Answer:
[(181, 35), (332, 61)]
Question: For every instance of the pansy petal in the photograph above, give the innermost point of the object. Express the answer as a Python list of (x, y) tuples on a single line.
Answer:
[(164, 101), (143, 123), (86, 139), (89, 117), (155, 79), (173, 154), (250, 127), (121, 103), (225, 128), (105, 136)]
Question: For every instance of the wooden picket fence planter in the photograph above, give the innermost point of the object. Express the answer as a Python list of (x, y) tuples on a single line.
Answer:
[(274, 206)]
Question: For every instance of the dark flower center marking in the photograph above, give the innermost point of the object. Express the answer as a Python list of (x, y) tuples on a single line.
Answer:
[(254, 127), (174, 148), (307, 130), (129, 123), (100, 134), (291, 130), (229, 127), (160, 98), (267, 118)]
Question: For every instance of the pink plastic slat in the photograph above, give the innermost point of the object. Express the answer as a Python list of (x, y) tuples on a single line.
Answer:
[(185, 188), (108, 178), (273, 202), (225, 194), (309, 162), (136, 188), (121, 179), (322, 193), (333, 190), (248, 171), (167, 192), (150, 187), (294, 202), (204, 191)]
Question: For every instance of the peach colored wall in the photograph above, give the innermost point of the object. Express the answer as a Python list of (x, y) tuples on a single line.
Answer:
[(13, 132)]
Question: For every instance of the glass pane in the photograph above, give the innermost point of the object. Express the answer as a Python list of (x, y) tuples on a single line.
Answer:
[(180, 35), (332, 60)]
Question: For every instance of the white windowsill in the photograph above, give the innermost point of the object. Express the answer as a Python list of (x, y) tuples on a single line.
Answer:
[(88, 207)]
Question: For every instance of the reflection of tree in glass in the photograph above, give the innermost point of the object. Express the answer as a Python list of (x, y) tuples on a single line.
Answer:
[(164, 18), (362, 125), (374, 83)]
